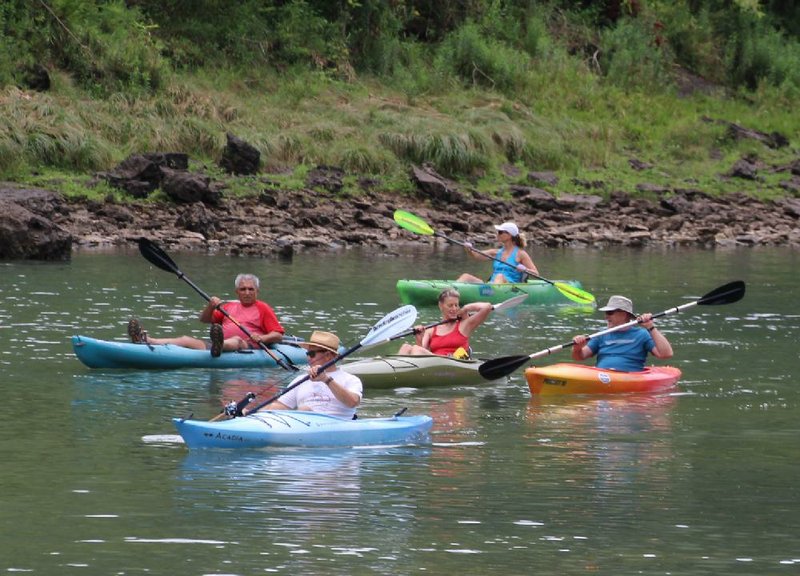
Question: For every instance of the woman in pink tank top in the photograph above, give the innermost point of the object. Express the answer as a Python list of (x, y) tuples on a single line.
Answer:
[(445, 339)]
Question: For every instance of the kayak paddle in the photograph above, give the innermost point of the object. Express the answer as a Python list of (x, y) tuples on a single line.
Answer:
[(386, 328), (160, 259), (414, 223), (501, 367), (504, 305)]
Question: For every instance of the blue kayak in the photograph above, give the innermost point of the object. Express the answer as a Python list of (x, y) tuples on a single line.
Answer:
[(300, 428), (106, 354)]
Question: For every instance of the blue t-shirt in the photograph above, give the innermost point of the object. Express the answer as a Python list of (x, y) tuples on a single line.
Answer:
[(625, 351)]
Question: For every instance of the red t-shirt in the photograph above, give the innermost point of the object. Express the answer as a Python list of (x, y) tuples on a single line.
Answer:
[(258, 318)]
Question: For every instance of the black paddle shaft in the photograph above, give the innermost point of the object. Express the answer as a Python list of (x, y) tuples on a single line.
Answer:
[(160, 259), (501, 367), (305, 378)]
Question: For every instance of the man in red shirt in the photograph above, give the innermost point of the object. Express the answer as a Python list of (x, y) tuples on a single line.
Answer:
[(256, 316)]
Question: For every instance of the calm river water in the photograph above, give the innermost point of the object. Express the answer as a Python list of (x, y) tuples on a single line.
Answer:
[(700, 481)]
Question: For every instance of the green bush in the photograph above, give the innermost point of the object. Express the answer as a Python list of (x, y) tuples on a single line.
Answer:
[(105, 45), (757, 55), (631, 59), (480, 61)]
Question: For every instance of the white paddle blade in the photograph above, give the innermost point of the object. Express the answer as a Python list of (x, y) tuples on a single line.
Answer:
[(393, 323), (510, 303)]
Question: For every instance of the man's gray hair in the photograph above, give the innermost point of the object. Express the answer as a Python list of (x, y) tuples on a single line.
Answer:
[(250, 277)]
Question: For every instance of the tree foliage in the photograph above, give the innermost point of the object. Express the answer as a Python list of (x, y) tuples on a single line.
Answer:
[(117, 45)]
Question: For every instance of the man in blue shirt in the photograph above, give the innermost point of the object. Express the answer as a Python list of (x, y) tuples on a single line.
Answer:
[(625, 350)]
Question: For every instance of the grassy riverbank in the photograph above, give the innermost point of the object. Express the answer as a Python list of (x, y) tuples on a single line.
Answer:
[(514, 111)]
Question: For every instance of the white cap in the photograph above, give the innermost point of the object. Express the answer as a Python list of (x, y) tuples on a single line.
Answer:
[(509, 227), (618, 303)]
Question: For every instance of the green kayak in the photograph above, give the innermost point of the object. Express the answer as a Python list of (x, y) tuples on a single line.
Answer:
[(401, 371), (426, 292)]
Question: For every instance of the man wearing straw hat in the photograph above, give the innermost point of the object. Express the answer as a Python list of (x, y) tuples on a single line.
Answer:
[(330, 391), (625, 350)]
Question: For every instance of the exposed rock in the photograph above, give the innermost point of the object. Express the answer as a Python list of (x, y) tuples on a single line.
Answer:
[(329, 178), (652, 188), (589, 184), (575, 201), (434, 187), (738, 132), (533, 198), (792, 185), (548, 178), (239, 157), (174, 160), (26, 228), (141, 174), (744, 169), (791, 207), (283, 222), (186, 187), (136, 175), (197, 218), (639, 165), (114, 212)]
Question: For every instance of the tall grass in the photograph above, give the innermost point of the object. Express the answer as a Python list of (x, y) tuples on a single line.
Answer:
[(498, 90)]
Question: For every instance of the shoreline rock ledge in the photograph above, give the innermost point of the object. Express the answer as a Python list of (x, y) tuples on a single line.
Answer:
[(43, 225)]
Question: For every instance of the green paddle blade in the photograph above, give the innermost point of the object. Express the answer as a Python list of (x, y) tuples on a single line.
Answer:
[(574, 293), (412, 223)]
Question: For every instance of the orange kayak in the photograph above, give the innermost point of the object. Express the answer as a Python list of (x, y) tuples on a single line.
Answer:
[(579, 379)]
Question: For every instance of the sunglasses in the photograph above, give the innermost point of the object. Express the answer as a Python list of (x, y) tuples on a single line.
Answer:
[(312, 353)]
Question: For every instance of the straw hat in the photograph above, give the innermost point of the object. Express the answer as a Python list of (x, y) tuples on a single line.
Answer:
[(319, 339)]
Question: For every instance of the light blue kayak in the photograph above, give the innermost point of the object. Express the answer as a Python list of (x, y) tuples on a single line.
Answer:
[(300, 428), (106, 354)]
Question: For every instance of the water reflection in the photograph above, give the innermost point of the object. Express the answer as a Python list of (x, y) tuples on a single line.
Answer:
[(303, 487), (306, 502), (609, 445)]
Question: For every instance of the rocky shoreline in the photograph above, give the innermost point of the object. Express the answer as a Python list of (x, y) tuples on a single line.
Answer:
[(42, 224), (286, 222)]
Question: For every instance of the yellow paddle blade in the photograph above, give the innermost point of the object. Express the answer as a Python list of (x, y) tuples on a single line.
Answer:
[(575, 294), (412, 223)]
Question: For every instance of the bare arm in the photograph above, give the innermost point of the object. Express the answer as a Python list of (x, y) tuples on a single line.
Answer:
[(342, 394), (268, 338), (662, 348), (476, 254), (580, 351), (426, 338), (207, 314), (527, 261), (473, 315)]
